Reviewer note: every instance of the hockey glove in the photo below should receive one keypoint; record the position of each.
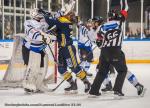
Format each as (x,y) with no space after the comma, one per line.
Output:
(45,13)
(47,38)
(124,13)
(99,43)
(99,40)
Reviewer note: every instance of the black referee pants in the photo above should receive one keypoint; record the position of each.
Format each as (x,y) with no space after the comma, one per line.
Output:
(110,56)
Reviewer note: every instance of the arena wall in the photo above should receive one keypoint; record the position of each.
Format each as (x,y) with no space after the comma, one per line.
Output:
(135,51)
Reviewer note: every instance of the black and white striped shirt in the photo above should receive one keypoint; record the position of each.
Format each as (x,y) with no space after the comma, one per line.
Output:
(112,33)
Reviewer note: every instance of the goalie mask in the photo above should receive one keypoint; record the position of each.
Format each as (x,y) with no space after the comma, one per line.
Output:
(36,15)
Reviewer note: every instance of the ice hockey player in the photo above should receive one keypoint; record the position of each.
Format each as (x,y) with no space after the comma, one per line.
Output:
(67,52)
(85,45)
(111,53)
(130,77)
(33,52)
(87,37)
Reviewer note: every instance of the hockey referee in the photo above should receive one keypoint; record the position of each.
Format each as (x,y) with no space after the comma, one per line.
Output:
(111,53)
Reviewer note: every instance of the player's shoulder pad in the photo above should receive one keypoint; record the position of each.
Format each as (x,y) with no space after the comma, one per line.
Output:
(28,22)
(110,25)
(63,20)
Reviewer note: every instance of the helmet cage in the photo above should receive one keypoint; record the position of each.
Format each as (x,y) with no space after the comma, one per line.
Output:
(35,14)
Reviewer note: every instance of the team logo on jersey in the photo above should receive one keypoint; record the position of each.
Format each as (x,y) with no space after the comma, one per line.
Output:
(112,34)
(69,62)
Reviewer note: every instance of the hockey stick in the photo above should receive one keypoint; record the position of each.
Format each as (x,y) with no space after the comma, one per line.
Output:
(55,60)
(52,90)
(52,33)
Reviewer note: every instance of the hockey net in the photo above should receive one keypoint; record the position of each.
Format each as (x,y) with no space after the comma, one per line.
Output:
(15,72)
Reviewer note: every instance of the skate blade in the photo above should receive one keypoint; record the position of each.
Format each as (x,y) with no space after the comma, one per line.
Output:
(116,97)
(143,93)
(107,92)
(29,93)
(92,96)
(71,92)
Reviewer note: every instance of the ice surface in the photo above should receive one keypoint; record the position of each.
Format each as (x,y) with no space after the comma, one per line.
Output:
(81,100)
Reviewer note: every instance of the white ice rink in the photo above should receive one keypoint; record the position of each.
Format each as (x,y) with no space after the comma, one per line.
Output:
(81,100)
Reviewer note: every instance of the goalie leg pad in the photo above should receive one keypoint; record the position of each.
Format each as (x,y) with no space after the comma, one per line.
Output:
(33,69)
(41,75)
(39,82)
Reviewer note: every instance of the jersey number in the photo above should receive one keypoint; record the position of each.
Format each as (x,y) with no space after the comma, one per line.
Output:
(112,34)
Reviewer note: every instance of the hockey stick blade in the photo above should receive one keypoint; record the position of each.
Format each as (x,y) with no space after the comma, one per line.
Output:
(52,90)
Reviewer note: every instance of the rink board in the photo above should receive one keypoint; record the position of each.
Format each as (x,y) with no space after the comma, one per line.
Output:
(135,51)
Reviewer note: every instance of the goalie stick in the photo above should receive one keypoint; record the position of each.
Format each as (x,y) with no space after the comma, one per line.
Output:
(55,60)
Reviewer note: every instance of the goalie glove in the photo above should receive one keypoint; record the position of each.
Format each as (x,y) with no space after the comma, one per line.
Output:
(45,13)
(47,38)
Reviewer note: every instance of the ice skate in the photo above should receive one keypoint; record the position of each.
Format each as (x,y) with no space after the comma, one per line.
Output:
(29,88)
(28,91)
(140,89)
(93,94)
(72,89)
(118,93)
(87,86)
(107,88)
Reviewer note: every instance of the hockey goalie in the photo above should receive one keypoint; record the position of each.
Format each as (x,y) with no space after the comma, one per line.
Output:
(34,50)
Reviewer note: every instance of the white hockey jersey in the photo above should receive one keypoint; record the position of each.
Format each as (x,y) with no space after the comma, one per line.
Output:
(33,39)
(87,37)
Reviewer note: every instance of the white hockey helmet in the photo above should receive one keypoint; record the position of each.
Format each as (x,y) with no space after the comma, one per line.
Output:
(35,14)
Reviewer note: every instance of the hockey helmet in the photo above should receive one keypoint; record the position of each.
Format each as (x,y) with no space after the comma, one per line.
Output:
(89,22)
(35,14)
(98,19)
